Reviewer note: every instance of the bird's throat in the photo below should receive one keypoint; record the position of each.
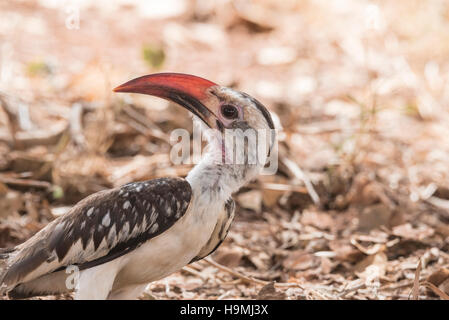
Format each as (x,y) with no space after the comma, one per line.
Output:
(214,177)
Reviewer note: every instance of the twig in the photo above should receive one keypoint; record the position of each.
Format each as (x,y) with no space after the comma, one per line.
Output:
(318,294)
(397,286)
(142,124)
(406,297)
(235,273)
(438,202)
(415,289)
(224,295)
(194,272)
(299,174)
(26,183)
(249,279)
(436,290)
(278,187)
(143,130)
(136,115)
(376,248)
(351,289)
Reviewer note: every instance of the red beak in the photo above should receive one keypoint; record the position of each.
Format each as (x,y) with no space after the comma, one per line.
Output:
(189,91)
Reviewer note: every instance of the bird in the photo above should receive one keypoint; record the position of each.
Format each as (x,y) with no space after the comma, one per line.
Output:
(119,240)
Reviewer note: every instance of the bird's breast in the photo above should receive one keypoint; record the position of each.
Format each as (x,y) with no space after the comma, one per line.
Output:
(174,248)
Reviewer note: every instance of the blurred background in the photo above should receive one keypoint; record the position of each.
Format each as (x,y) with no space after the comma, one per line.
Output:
(359,88)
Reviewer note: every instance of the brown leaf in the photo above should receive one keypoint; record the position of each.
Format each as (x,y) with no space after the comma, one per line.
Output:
(371,266)
(228,257)
(271,197)
(320,220)
(442,229)
(345,251)
(444,286)
(442,192)
(299,260)
(269,292)
(439,276)
(326,265)
(436,290)
(10,203)
(374,216)
(260,260)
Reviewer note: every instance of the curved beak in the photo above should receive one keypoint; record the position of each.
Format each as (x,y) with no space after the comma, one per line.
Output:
(189,91)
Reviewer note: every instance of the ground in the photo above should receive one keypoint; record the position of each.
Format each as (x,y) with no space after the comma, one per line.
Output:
(359,206)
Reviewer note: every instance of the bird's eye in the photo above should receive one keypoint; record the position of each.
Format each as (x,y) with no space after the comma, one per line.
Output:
(229,112)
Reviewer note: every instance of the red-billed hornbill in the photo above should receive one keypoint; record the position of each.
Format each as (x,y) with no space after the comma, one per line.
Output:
(122,239)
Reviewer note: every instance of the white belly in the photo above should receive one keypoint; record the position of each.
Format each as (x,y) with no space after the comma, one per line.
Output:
(171,250)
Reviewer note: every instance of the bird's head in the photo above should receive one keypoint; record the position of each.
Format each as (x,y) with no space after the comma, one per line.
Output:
(220,108)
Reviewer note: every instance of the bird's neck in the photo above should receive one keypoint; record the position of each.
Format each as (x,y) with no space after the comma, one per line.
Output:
(217,180)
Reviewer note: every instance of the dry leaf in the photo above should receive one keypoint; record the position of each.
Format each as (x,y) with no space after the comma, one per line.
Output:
(269,292)
(320,220)
(345,251)
(228,257)
(271,197)
(444,286)
(374,216)
(299,260)
(373,266)
(10,203)
(439,276)
(408,232)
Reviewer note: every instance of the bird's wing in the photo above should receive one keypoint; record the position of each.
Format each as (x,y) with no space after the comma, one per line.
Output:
(101,228)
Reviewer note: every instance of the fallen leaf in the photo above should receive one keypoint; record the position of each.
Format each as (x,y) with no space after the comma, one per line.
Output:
(228,257)
(408,232)
(374,216)
(269,292)
(437,290)
(299,260)
(10,203)
(260,260)
(439,276)
(371,267)
(345,251)
(444,286)
(271,197)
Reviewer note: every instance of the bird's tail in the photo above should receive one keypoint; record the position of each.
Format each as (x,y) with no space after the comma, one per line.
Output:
(4,255)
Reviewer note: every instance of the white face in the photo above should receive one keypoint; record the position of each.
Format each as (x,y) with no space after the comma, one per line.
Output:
(247,130)
(233,106)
